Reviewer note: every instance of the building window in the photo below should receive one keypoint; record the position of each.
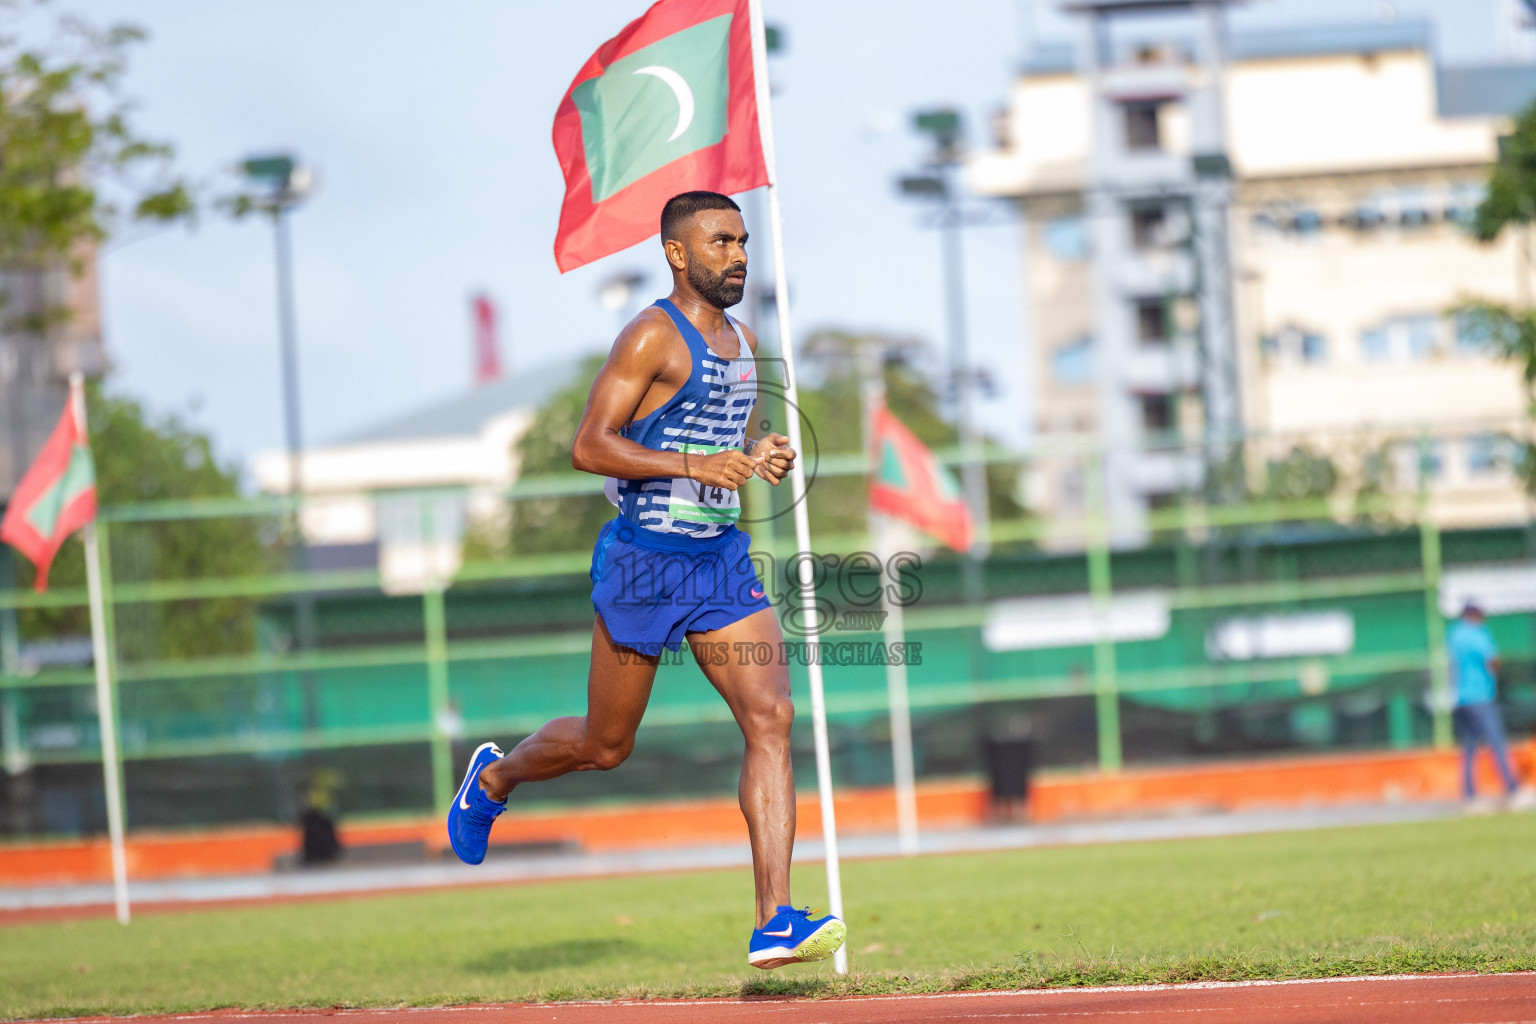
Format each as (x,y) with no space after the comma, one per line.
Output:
(1419,462)
(1073,363)
(1422,333)
(1293,345)
(1413,209)
(1141,127)
(1473,337)
(1375,346)
(1402,339)
(1147,227)
(1066,238)
(1366,216)
(1156,412)
(1151,321)
(1484,453)
(1288,218)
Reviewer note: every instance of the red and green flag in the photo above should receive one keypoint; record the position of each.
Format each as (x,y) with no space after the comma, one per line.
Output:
(668,105)
(55,498)
(910,484)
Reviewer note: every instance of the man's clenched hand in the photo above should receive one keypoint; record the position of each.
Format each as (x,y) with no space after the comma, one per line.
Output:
(773,457)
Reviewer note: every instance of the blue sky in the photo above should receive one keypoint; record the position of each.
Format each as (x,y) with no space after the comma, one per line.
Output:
(429,129)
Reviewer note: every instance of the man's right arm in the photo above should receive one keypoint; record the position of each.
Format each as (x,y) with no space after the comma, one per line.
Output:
(639,357)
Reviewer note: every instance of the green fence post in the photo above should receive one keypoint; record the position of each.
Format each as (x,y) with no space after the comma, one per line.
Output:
(434,619)
(1434,627)
(1400,722)
(1100,589)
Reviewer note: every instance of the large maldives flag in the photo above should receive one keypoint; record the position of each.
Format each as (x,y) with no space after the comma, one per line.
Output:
(55,498)
(668,105)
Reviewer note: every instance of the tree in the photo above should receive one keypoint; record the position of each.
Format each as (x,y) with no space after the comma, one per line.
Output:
(1300,474)
(72,171)
(1507,331)
(142,459)
(72,168)
(1511,195)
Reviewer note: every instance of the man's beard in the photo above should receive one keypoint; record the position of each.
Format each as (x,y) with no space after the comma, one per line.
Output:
(715,288)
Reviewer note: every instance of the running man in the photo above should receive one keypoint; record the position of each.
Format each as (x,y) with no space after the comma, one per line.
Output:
(666,422)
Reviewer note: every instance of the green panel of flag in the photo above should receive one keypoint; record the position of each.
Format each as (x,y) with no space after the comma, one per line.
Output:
(79,477)
(628,115)
(891,472)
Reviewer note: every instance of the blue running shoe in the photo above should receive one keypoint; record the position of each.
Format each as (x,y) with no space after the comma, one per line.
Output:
(794,937)
(470,817)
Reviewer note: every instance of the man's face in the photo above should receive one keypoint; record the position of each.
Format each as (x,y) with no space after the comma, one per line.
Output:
(716,247)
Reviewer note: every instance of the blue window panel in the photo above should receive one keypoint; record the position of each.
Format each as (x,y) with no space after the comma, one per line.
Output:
(1067,238)
(1375,345)
(1307,222)
(1422,335)
(1473,338)
(1073,364)
(1482,454)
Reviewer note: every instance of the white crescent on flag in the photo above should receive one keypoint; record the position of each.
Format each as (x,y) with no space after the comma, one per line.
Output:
(679,88)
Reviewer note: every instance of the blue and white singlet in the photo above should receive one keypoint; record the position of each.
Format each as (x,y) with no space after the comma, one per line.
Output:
(707,415)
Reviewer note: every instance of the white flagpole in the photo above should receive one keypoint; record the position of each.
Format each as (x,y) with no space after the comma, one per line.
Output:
(797,481)
(105,705)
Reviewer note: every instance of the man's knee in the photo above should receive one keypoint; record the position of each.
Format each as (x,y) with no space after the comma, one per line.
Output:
(774,718)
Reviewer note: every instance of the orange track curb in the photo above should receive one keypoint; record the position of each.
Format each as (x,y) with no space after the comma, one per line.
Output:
(1273,783)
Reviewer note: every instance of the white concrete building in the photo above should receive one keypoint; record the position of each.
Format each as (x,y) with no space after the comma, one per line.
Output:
(403,492)
(1355,161)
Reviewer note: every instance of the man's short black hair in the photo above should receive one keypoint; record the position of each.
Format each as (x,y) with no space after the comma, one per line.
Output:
(679,208)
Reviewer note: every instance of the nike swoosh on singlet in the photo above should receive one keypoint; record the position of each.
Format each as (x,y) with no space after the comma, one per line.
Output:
(746,373)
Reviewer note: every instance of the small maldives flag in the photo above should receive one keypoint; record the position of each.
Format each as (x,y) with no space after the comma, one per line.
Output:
(668,105)
(909,484)
(55,498)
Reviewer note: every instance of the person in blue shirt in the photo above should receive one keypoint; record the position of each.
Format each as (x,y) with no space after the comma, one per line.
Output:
(1474,661)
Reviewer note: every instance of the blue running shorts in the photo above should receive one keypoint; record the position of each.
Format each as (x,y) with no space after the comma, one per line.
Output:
(652,588)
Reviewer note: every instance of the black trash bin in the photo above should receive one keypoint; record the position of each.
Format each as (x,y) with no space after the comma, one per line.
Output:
(1010,755)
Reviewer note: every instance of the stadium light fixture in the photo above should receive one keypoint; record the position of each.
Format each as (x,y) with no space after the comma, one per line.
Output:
(286,181)
(923,185)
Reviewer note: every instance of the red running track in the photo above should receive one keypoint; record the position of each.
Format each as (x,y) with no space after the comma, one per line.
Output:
(1434,999)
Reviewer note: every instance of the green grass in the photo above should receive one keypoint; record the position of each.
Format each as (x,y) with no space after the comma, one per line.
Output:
(1456,895)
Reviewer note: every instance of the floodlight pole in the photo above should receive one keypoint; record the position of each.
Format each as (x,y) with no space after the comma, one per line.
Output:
(945,128)
(293,427)
(289,182)
(797,485)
